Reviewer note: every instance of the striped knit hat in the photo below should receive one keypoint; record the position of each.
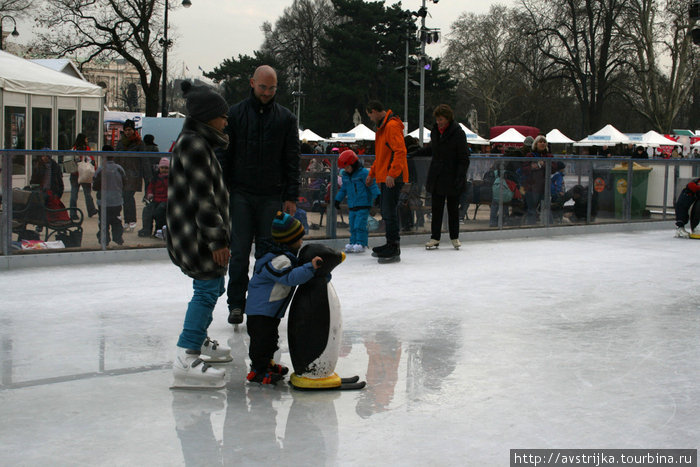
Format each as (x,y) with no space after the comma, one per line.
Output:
(286,229)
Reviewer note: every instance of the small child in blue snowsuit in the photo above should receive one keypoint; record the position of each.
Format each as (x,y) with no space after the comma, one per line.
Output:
(360,199)
(270,291)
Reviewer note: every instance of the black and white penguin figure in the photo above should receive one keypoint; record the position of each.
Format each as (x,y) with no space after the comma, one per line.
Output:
(315,327)
(695,220)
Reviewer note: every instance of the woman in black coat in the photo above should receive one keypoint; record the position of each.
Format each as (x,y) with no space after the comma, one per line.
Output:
(447,173)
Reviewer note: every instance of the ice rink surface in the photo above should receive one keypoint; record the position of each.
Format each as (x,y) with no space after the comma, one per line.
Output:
(588,341)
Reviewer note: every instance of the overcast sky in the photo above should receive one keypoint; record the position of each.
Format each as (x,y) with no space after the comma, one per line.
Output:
(212,30)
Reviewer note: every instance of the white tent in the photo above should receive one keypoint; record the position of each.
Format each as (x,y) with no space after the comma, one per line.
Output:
(309,135)
(426,134)
(41,107)
(25,77)
(359,133)
(696,145)
(654,139)
(472,136)
(511,135)
(606,136)
(557,137)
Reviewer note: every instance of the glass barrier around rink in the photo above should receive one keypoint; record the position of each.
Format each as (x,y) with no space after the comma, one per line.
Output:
(57,204)
(585,191)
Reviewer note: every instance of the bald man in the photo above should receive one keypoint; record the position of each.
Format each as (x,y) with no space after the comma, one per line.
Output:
(261,168)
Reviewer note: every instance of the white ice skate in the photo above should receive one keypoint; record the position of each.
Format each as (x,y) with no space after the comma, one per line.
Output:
(349,248)
(191,372)
(432,244)
(456,243)
(213,352)
(358,248)
(682,233)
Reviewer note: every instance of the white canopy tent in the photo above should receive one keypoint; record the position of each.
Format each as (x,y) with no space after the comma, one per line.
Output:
(511,135)
(359,133)
(309,135)
(606,136)
(41,107)
(696,145)
(654,139)
(472,136)
(557,137)
(426,134)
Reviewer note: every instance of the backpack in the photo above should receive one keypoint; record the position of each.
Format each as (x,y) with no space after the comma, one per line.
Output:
(503,188)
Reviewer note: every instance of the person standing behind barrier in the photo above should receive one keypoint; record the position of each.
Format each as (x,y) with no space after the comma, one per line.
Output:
(261,170)
(447,174)
(133,167)
(533,176)
(390,169)
(110,186)
(81,144)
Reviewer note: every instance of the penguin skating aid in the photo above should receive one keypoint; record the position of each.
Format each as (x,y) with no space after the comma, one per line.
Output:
(315,327)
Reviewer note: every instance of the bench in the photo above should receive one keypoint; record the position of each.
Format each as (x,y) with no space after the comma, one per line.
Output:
(28,208)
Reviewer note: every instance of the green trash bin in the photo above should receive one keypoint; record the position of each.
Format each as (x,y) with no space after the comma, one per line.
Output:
(640,184)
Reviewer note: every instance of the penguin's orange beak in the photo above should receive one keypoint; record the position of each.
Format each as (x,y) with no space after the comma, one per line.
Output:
(343,256)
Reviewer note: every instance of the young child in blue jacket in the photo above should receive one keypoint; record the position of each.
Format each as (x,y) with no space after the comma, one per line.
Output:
(275,276)
(360,199)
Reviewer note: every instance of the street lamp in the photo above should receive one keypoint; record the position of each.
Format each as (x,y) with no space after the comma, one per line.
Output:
(166,44)
(14,33)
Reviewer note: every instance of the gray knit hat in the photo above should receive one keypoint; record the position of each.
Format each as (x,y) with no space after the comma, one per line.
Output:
(203,103)
(528,142)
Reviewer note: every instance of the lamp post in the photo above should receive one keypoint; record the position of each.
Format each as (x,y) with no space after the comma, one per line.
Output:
(14,33)
(298,94)
(425,35)
(165,43)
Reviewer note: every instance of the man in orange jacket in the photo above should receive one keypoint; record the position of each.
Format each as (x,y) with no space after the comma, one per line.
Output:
(390,170)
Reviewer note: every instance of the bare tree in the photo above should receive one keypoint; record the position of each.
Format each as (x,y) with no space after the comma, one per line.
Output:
(17,8)
(479,56)
(296,35)
(105,29)
(582,44)
(663,65)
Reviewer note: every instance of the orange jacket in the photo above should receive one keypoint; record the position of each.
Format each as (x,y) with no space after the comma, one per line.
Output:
(389,150)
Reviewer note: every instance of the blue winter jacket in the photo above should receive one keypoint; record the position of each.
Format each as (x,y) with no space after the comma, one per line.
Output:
(360,196)
(272,285)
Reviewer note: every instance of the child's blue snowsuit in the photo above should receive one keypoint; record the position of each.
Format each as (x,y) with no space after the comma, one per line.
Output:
(360,199)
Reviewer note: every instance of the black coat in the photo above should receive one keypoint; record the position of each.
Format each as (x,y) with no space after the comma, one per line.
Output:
(263,153)
(450,161)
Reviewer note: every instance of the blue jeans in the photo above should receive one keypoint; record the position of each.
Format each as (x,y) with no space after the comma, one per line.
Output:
(87,191)
(251,219)
(390,210)
(359,235)
(199,312)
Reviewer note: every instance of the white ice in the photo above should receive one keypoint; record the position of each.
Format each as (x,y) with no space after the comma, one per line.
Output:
(585,341)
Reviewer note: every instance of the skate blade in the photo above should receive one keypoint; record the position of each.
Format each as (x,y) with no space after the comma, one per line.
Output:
(393,259)
(431,247)
(210,359)
(185,387)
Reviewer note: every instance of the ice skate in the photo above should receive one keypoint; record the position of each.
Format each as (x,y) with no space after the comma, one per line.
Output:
(682,233)
(191,372)
(390,255)
(349,248)
(456,243)
(358,248)
(235,316)
(432,244)
(264,378)
(378,249)
(213,352)
(277,368)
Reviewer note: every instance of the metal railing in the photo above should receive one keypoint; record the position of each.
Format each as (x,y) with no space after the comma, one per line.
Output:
(607,191)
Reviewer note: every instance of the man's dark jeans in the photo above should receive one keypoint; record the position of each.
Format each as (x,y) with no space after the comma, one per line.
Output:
(390,210)
(251,219)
